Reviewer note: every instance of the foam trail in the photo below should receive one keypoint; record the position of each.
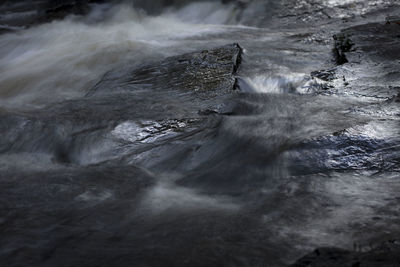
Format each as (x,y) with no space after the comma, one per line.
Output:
(166,197)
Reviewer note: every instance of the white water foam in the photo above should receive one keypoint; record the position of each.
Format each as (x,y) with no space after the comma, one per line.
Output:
(290,83)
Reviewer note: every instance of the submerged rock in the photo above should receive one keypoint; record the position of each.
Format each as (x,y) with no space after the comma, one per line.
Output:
(209,70)
(376,42)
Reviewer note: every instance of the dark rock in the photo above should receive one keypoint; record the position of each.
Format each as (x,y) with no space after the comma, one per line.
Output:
(325,75)
(210,71)
(343,44)
(322,79)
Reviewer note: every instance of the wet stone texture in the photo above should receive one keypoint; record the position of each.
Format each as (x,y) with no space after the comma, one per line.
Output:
(369,56)
(208,72)
(373,53)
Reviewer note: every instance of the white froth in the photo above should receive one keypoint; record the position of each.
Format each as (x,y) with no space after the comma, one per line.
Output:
(283,84)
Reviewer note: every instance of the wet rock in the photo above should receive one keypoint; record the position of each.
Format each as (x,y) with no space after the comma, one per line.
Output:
(343,44)
(372,53)
(325,75)
(212,71)
(322,80)
(363,147)
(376,42)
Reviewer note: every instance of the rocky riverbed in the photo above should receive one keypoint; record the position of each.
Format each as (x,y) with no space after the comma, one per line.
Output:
(192,133)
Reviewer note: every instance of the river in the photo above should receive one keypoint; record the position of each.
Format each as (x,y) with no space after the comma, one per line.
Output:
(154,175)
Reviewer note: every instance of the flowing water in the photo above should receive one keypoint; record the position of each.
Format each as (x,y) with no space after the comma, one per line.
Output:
(103,182)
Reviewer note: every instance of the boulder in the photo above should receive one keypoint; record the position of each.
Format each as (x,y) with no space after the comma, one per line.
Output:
(212,71)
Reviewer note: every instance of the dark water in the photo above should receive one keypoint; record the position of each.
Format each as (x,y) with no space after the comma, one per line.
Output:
(143,179)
